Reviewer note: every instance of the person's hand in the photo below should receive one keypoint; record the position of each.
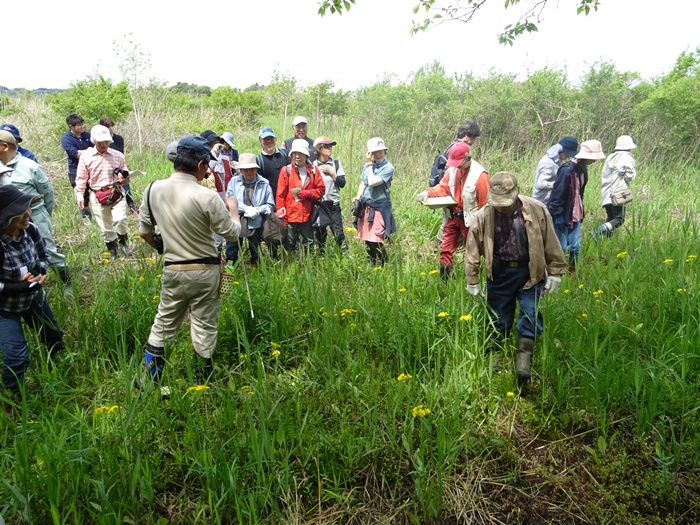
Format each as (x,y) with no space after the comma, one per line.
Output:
(251,212)
(24,286)
(422,196)
(282,212)
(552,284)
(369,157)
(217,148)
(328,170)
(304,194)
(475,290)
(81,201)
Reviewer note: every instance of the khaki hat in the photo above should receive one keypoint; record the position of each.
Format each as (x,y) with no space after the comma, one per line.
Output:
(376,144)
(503,189)
(591,150)
(6,136)
(300,146)
(625,143)
(247,160)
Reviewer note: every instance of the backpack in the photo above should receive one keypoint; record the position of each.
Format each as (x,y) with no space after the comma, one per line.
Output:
(34,235)
(437,171)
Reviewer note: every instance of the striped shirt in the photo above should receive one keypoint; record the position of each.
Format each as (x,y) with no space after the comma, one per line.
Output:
(29,250)
(97,169)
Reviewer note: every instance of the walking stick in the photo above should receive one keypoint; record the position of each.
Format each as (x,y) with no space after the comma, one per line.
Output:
(245,278)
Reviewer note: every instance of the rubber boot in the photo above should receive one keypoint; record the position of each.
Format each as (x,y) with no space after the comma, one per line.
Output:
(64,274)
(445,272)
(603,229)
(112,249)
(128,252)
(154,363)
(204,370)
(523,360)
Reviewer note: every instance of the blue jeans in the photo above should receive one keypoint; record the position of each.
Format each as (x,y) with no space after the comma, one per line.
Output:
(15,353)
(501,294)
(569,238)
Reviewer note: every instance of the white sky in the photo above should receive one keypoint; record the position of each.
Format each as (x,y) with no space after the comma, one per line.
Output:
(245,41)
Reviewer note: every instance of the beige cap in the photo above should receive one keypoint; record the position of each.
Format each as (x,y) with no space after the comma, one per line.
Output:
(503,189)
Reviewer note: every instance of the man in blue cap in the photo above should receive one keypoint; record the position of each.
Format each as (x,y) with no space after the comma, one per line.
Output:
(18,138)
(187,215)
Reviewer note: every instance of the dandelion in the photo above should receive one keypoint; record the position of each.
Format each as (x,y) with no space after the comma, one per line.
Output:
(142,278)
(105,261)
(622,255)
(107,409)
(105,253)
(335,315)
(350,229)
(443,314)
(156,298)
(245,387)
(584,315)
(275,353)
(347,311)
(251,392)
(242,357)
(580,286)
(403,377)
(510,394)
(467,317)
(566,291)
(236,283)
(159,276)
(422,274)
(420,411)
(179,380)
(668,261)
(434,272)
(150,260)
(681,290)
(691,258)
(377,268)
(325,314)
(402,290)
(197,388)
(597,293)
(276,345)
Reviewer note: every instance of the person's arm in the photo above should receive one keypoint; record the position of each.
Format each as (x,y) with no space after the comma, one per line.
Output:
(442,189)
(69,147)
(544,178)
(381,176)
(268,205)
(630,171)
(43,186)
(472,254)
(282,189)
(482,189)
(553,254)
(81,182)
(556,200)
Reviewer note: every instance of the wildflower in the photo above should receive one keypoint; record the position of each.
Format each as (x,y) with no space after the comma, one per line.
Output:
(403,377)
(251,392)
(350,229)
(277,345)
(347,311)
(362,402)
(668,261)
(156,298)
(353,325)
(159,276)
(566,291)
(434,272)
(443,314)
(242,357)
(275,353)
(597,293)
(322,309)
(691,258)
(422,274)
(197,388)
(402,290)
(510,394)
(105,253)
(681,290)
(467,317)
(335,315)
(420,411)
(377,268)
(150,259)
(245,387)
(325,314)
(622,255)
(142,278)
(580,286)
(107,409)
(236,283)
(584,315)
(105,261)
(179,380)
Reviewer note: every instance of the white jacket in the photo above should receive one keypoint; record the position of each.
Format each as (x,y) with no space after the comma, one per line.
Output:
(618,172)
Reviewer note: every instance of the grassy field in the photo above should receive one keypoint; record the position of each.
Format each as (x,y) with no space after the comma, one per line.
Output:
(363,395)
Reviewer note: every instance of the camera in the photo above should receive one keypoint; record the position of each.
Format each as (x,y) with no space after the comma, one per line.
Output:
(123,173)
(158,241)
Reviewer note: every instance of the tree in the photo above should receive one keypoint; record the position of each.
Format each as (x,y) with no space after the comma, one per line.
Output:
(439,11)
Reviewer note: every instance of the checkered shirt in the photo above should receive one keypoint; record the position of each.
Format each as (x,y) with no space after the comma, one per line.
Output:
(17,253)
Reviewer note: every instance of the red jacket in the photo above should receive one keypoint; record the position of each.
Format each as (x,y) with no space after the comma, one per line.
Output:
(288,180)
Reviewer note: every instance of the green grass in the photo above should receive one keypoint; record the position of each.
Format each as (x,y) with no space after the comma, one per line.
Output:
(324,432)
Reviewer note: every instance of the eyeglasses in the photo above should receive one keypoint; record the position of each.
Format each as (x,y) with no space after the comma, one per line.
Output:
(329,146)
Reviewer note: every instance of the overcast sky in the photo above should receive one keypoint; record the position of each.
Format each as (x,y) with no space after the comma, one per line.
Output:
(244,42)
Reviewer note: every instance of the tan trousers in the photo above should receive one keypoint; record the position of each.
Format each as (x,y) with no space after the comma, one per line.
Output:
(197,290)
(111,219)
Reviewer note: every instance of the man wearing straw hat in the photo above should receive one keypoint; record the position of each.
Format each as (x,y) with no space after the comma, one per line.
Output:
(516,238)
(187,215)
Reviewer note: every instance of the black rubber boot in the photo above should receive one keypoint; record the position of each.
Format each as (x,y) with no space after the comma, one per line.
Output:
(128,252)
(523,360)
(112,249)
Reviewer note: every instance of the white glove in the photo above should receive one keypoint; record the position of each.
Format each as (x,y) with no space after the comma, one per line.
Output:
(552,284)
(475,290)
(251,212)
(422,196)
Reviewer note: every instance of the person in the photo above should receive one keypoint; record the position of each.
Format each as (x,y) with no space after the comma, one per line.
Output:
(23,266)
(118,145)
(187,215)
(255,202)
(468,183)
(300,185)
(566,202)
(301,128)
(103,170)
(75,142)
(548,166)
(618,171)
(229,151)
(30,178)
(377,223)
(216,166)
(18,138)
(271,160)
(515,236)
(334,179)
(467,133)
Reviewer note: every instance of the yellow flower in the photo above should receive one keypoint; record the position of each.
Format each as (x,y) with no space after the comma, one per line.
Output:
(359,267)
(691,258)
(668,261)
(350,229)
(197,388)
(402,377)
(107,409)
(443,314)
(402,290)
(510,394)
(242,356)
(156,298)
(422,274)
(322,309)
(622,255)
(150,259)
(420,411)
(105,261)
(275,353)
(434,272)
(236,283)
(347,311)
(325,314)
(245,387)
(159,276)
(467,317)
(580,286)
(378,268)
(566,291)
(276,345)
(597,293)
(681,290)
(251,392)
(105,253)
(179,380)
(142,278)
(585,316)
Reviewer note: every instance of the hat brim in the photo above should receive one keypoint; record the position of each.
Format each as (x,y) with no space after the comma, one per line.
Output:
(267,134)
(326,143)
(502,201)
(377,149)
(455,163)
(248,165)
(229,142)
(97,139)
(17,208)
(293,150)
(569,152)
(590,156)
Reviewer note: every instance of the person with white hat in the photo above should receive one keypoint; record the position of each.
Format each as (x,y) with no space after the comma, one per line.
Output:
(618,171)
(375,223)
(515,236)
(299,185)
(103,170)
(255,202)
(566,201)
(301,128)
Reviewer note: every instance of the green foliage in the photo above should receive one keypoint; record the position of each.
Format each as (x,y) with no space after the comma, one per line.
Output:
(247,105)
(92,98)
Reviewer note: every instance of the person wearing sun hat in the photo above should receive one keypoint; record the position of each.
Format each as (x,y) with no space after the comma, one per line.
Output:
(23,267)
(549,164)
(377,223)
(566,202)
(330,214)
(618,171)
(515,236)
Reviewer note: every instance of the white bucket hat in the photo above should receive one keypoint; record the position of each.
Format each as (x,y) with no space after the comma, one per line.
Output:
(247,160)
(100,134)
(591,150)
(375,144)
(300,146)
(625,143)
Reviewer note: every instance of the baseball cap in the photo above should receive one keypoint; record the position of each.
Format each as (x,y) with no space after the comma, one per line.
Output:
(569,145)
(100,134)
(171,151)
(194,145)
(299,120)
(503,189)
(6,136)
(458,152)
(13,130)
(324,140)
(266,132)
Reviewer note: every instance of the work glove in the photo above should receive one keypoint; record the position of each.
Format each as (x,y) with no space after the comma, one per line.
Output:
(422,196)
(251,212)
(475,290)
(18,287)
(552,284)
(304,194)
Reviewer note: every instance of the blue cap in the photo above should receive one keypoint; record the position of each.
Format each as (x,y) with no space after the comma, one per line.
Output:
(266,132)
(193,145)
(569,146)
(12,130)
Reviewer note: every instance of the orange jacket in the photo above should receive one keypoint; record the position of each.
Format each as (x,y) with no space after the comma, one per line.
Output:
(443,189)
(288,180)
